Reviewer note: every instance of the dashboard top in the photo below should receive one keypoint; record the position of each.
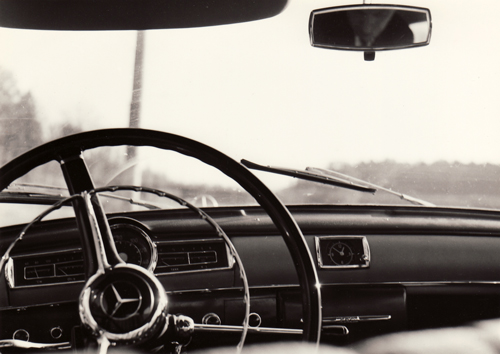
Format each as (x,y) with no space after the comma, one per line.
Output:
(350,244)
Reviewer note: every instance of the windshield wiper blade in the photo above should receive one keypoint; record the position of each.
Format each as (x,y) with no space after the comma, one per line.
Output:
(408,198)
(29,198)
(22,197)
(22,186)
(311,176)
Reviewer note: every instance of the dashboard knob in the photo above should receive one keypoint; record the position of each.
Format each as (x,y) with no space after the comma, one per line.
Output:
(56,332)
(21,334)
(184,326)
(254,320)
(211,318)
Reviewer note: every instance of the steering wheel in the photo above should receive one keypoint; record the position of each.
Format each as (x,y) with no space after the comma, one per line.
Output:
(132,287)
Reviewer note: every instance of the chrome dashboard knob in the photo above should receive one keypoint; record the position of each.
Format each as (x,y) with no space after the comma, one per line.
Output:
(21,334)
(56,332)
(254,320)
(211,318)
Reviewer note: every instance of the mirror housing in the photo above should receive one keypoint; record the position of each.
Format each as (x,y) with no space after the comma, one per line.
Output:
(370,28)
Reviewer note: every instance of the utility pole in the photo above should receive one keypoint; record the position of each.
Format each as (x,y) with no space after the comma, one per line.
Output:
(135,105)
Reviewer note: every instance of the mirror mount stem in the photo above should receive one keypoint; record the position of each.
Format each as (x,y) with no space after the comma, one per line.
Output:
(369,56)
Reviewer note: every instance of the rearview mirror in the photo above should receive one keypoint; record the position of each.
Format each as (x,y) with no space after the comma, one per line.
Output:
(370,27)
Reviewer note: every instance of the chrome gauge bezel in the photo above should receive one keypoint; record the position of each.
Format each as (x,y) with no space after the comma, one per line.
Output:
(125,223)
(365,258)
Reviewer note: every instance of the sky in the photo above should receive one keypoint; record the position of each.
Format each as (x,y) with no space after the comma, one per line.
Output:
(259,90)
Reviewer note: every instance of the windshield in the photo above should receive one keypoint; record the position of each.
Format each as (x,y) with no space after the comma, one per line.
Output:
(421,121)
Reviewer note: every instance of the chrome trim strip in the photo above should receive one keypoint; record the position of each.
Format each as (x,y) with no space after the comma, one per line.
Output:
(16,343)
(192,271)
(47,253)
(48,304)
(272,330)
(50,284)
(440,283)
(424,283)
(366,251)
(231,328)
(215,239)
(355,319)
(344,329)
(284,286)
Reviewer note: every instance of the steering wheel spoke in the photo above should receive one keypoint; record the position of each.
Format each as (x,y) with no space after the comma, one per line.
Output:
(104,250)
(76,173)
(92,222)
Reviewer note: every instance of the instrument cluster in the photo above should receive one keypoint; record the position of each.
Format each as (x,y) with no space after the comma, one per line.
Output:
(133,244)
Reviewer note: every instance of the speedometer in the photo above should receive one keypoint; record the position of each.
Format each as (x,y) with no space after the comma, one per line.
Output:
(134,245)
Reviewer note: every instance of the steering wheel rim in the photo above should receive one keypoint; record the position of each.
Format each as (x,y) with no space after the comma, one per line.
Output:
(68,149)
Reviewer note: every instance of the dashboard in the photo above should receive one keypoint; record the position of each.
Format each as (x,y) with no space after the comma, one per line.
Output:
(382,270)
(134,246)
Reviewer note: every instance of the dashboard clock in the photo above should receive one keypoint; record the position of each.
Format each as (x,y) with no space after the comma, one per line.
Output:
(340,253)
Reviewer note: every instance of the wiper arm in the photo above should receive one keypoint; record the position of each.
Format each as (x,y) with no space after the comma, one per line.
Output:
(408,198)
(130,201)
(311,176)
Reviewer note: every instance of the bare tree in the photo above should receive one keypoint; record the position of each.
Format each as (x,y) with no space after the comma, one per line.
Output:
(19,128)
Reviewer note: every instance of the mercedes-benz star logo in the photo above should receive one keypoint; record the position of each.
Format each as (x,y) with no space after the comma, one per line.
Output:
(121,300)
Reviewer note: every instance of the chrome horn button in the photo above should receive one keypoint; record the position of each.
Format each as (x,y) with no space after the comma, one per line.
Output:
(121,300)
(126,304)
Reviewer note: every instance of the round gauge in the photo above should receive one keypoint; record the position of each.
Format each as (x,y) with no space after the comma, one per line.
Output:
(134,245)
(129,252)
(340,253)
